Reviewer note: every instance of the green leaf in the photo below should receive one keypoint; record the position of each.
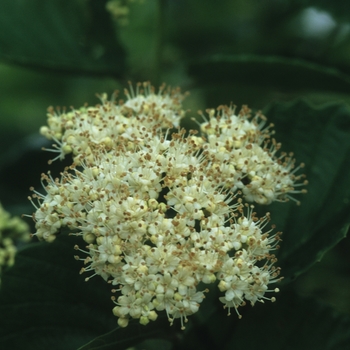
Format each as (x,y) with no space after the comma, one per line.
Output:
(291,323)
(284,74)
(319,137)
(122,338)
(45,303)
(151,344)
(63,35)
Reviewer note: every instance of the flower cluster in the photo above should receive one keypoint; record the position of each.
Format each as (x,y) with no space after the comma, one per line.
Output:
(164,213)
(12,231)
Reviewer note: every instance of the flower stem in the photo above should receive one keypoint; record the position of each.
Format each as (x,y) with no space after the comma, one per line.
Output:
(160,30)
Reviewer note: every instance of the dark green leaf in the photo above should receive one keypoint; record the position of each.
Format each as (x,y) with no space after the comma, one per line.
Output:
(122,338)
(151,344)
(62,35)
(45,303)
(319,137)
(291,323)
(284,74)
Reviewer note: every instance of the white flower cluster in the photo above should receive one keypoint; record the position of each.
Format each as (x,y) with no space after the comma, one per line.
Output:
(160,211)
(84,131)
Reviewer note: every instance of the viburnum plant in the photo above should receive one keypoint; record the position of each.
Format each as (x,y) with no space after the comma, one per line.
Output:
(163,212)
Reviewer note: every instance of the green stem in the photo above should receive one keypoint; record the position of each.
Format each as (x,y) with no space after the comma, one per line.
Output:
(160,30)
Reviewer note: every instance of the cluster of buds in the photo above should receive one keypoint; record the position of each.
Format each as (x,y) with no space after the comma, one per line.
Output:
(13,231)
(163,211)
